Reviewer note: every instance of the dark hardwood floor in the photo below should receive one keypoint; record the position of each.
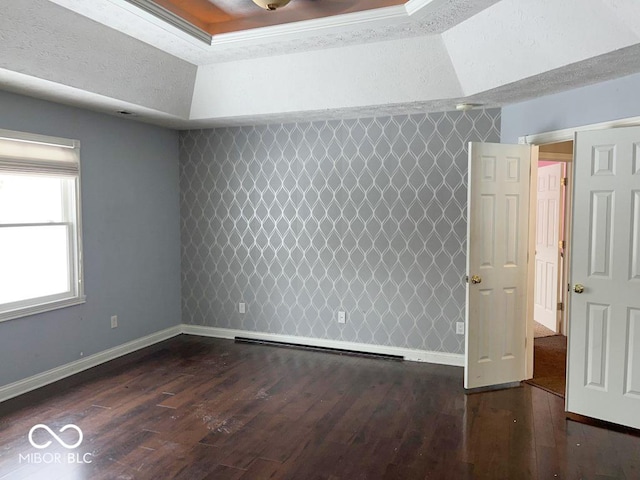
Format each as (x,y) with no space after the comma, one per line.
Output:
(197,408)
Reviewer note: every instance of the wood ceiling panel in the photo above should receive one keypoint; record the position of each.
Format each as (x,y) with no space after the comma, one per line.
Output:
(223,16)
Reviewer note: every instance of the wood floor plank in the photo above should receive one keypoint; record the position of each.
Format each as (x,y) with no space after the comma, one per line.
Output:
(199,408)
(262,469)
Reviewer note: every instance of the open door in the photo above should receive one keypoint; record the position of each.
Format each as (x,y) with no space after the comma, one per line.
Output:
(498,239)
(603,378)
(549,199)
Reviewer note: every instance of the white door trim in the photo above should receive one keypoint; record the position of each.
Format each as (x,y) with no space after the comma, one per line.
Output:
(555,136)
(566,134)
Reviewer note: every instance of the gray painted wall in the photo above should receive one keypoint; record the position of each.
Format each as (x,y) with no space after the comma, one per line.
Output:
(130,202)
(611,100)
(302,220)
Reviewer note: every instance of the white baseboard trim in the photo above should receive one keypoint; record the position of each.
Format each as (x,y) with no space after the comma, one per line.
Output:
(453,359)
(40,380)
(45,378)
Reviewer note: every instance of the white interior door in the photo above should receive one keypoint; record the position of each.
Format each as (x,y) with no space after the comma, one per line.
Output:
(497,254)
(548,201)
(603,378)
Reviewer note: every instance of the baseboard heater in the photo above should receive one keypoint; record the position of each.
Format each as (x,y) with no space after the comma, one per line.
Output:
(339,351)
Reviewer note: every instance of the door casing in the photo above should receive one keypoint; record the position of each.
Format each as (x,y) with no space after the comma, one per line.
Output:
(556,136)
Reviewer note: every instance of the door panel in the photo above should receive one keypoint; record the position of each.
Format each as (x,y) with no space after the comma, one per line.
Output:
(487,235)
(632,382)
(597,327)
(634,254)
(497,253)
(604,338)
(600,233)
(547,265)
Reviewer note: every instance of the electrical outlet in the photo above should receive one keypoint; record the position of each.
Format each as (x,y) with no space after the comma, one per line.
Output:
(114,321)
(459,328)
(241,307)
(342,317)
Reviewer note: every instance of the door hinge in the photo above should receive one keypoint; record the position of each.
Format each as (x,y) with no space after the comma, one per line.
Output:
(562,244)
(564,181)
(560,306)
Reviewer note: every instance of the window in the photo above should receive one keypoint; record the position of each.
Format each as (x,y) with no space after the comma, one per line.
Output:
(40,237)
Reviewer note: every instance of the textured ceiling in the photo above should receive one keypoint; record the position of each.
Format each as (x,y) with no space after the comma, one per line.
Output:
(424,55)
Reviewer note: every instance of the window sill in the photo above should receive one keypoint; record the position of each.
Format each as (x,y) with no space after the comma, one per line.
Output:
(42,308)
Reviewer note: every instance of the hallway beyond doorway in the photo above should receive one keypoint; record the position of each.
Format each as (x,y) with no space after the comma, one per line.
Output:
(550,364)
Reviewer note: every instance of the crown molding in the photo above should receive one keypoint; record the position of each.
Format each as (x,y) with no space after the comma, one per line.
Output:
(360,19)
(143,20)
(363,19)
(172,19)
(414,6)
(318,26)
(149,12)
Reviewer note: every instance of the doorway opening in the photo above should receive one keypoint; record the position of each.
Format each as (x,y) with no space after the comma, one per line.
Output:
(551,269)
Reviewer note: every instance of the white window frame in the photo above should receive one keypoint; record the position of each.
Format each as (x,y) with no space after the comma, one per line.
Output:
(31,154)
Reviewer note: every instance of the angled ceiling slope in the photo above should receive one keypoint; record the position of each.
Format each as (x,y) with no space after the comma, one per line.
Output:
(422,55)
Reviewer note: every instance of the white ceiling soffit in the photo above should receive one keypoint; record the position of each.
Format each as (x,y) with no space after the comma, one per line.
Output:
(352,77)
(514,39)
(47,42)
(19,83)
(428,55)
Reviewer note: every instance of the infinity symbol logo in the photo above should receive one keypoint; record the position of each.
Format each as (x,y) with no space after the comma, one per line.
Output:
(58,439)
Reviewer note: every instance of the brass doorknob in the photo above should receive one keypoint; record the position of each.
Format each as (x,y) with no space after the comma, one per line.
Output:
(475,279)
(578,288)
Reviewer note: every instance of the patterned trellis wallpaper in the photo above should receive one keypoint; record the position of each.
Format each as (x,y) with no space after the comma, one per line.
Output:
(302,220)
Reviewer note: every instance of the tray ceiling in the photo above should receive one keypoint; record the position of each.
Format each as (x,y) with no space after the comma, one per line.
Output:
(224,16)
(422,55)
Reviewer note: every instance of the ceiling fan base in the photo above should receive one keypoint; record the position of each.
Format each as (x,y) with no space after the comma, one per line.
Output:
(271,5)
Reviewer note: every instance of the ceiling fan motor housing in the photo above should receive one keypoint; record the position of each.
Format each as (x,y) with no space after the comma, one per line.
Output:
(271,4)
